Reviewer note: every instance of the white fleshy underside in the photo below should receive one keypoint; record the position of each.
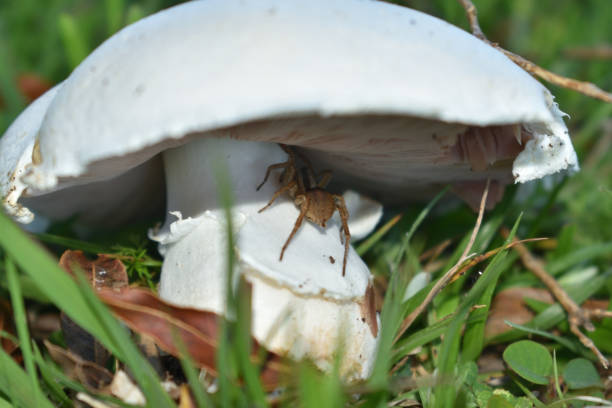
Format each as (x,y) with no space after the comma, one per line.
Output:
(550,150)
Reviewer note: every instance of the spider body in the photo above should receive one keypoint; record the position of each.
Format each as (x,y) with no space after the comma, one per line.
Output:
(320,205)
(315,203)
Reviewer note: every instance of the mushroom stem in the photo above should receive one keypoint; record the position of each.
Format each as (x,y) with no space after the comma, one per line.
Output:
(302,306)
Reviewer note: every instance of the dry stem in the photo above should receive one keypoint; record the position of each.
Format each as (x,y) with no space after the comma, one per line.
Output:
(602,52)
(585,88)
(448,276)
(577,316)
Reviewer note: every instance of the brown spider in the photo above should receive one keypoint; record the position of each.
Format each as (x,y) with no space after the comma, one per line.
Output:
(316,204)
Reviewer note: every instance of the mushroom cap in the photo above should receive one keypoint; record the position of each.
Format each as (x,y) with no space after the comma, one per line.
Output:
(207,65)
(16,147)
(115,200)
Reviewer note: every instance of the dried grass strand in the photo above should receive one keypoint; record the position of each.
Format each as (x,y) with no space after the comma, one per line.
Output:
(448,276)
(583,87)
(577,316)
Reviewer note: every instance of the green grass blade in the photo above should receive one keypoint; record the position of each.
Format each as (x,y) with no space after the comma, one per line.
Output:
(244,345)
(114,15)
(377,236)
(318,390)
(226,363)
(191,374)
(81,304)
(72,243)
(449,351)
(588,253)
(201,397)
(474,334)
(51,280)
(134,13)
(73,39)
(426,335)
(21,323)
(570,345)
(15,383)
(142,371)
(417,222)
(50,379)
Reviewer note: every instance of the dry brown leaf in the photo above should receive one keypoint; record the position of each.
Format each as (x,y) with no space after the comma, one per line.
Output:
(43,323)
(103,272)
(32,86)
(94,377)
(509,304)
(148,315)
(151,317)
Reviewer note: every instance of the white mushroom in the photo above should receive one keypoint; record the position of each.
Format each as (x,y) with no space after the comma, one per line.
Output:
(394,101)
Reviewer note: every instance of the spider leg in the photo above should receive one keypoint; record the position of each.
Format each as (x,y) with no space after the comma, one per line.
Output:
(312,183)
(344,215)
(280,191)
(301,189)
(273,167)
(325,179)
(296,227)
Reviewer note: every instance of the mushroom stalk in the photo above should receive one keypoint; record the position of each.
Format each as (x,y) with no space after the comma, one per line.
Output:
(302,306)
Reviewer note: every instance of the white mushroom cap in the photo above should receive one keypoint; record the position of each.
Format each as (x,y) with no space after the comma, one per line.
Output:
(217,63)
(16,146)
(138,191)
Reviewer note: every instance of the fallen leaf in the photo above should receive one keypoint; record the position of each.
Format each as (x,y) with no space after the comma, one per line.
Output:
(148,315)
(32,86)
(509,305)
(43,323)
(152,318)
(103,272)
(94,377)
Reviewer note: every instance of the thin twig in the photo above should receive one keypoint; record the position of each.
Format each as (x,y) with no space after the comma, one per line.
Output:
(432,253)
(600,52)
(585,88)
(577,316)
(448,276)
(470,263)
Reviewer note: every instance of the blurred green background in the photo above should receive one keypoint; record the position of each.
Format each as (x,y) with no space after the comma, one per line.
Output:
(42,41)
